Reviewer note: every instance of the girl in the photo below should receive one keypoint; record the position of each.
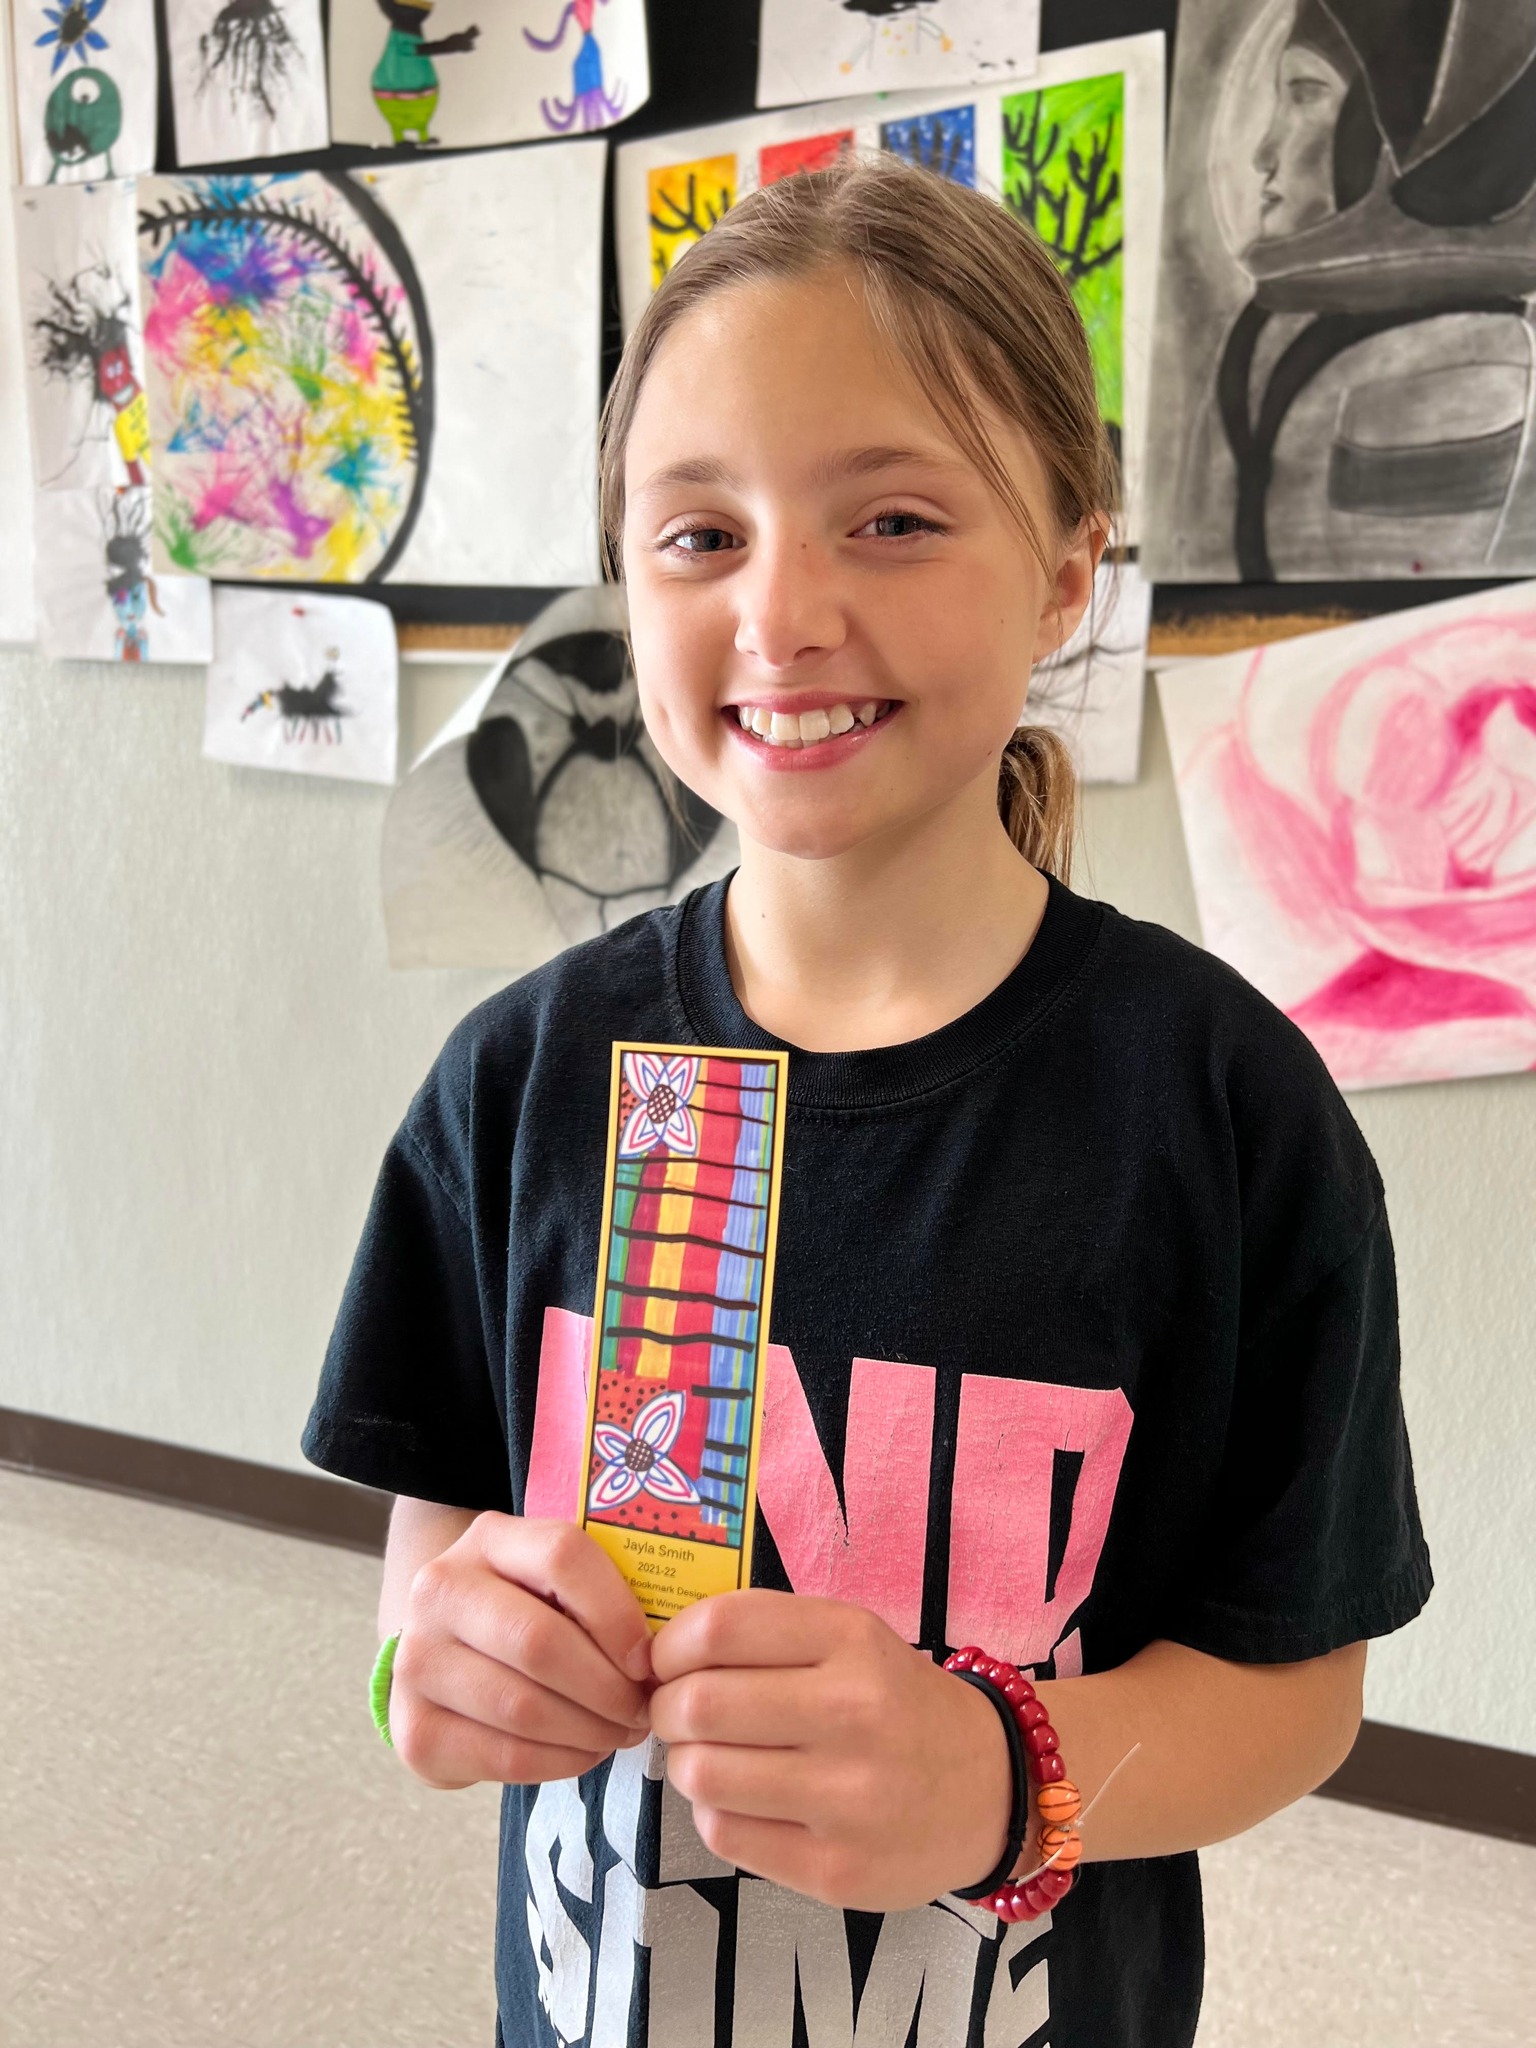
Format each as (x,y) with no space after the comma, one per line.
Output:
(1085,1320)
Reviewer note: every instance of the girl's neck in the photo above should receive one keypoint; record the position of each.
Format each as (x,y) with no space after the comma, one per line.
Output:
(882,944)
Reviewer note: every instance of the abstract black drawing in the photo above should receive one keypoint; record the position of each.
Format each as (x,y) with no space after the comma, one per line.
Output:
(311,711)
(82,336)
(1346,356)
(250,50)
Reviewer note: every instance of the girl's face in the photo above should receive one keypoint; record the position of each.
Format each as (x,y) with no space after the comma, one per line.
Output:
(833,615)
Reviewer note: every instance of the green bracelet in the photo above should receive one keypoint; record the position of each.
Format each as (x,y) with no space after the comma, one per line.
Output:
(378,1687)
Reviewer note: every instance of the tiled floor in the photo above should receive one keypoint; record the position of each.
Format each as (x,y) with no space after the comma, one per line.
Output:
(202,1845)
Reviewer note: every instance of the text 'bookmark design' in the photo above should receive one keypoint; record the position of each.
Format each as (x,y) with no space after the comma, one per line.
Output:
(680,1330)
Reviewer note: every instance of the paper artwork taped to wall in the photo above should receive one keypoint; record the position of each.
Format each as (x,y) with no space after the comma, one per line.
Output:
(97,593)
(86,95)
(539,816)
(417,73)
(18,619)
(1077,153)
(1092,692)
(1360,811)
(821,49)
(304,683)
(247,78)
(84,348)
(695,1158)
(382,374)
(1345,350)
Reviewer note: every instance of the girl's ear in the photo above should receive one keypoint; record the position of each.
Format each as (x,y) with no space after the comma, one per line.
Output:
(1072,589)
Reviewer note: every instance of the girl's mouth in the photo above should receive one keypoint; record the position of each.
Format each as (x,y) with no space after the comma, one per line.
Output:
(807,731)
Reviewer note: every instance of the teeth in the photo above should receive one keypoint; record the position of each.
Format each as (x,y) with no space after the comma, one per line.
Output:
(809,728)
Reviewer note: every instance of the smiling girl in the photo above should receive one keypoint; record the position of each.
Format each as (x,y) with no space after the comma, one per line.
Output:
(1085,1341)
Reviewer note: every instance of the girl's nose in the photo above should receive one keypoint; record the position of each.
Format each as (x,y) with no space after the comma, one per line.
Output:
(789,606)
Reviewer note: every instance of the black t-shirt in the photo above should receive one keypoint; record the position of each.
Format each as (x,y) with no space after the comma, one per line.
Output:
(1084,1334)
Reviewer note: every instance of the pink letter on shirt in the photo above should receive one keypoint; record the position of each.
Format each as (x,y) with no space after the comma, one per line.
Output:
(553,1491)
(874,1555)
(1000,1512)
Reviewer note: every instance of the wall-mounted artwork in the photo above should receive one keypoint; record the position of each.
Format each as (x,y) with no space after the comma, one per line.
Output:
(415,73)
(1345,355)
(82,341)
(820,49)
(540,814)
(18,619)
(1077,152)
(247,78)
(379,374)
(1092,692)
(97,593)
(1360,811)
(303,683)
(86,94)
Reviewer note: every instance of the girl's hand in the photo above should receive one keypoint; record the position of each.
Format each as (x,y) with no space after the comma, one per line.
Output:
(519,1659)
(823,1752)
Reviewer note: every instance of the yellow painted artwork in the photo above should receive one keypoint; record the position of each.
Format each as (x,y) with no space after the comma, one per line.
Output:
(684,201)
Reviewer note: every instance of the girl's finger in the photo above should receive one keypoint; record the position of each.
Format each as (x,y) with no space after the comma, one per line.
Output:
(454,1675)
(515,1628)
(561,1563)
(781,1707)
(764,1784)
(448,1751)
(755,1627)
(779,1850)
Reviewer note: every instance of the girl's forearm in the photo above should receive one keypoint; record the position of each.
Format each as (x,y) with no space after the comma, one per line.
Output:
(1222,1745)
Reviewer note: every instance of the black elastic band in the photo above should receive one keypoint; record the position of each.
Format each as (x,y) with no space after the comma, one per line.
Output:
(1018,1821)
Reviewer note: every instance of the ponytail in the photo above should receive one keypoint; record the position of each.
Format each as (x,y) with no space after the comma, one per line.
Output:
(1037,799)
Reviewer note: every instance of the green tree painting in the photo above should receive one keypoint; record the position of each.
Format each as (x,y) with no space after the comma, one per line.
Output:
(1061,172)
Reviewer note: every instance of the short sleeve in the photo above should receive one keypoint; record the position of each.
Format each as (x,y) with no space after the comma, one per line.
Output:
(407,1399)
(1313,1539)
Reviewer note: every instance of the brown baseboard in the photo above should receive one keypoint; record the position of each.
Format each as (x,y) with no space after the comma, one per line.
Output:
(291,1503)
(1397,1770)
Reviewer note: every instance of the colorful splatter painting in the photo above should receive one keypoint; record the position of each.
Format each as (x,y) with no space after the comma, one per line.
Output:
(247,78)
(86,93)
(683,203)
(1360,811)
(84,349)
(303,683)
(377,374)
(98,597)
(818,49)
(416,73)
(680,1336)
(1063,172)
(1079,153)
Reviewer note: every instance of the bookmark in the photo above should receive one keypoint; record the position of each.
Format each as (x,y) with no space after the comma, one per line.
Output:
(680,1329)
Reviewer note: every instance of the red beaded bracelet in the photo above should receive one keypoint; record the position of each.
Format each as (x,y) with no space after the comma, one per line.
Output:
(1057,1799)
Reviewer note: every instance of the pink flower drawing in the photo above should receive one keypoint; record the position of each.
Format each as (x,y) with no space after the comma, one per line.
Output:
(635,1461)
(661,1086)
(1360,809)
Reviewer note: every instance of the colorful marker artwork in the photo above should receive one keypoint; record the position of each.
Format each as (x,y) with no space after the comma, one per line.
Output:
(86,94)
(819,49)
(247,78)
(1077,152)
(98,596)
(460,73)
(680,1337)
(303,683)
(1360,811)
(377,374)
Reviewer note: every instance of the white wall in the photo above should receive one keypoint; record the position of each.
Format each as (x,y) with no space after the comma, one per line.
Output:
(202,1054)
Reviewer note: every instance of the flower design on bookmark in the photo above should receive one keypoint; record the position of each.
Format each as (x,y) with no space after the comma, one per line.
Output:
(635,1461)
(661,1115)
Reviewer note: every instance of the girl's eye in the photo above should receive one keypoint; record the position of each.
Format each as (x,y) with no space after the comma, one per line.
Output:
(901,525)
(700,540)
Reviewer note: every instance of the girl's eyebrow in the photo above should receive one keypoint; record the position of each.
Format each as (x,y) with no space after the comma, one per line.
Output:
(833,468)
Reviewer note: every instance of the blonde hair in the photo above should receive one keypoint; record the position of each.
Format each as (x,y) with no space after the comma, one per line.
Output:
(971,299)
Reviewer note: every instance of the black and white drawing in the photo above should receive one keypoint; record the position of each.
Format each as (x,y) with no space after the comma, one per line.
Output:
(247,78)
(542,814)
(303,682)
(1345,355)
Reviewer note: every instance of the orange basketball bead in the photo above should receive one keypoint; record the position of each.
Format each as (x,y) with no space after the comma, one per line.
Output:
(1059,1803)
(1066,1849)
